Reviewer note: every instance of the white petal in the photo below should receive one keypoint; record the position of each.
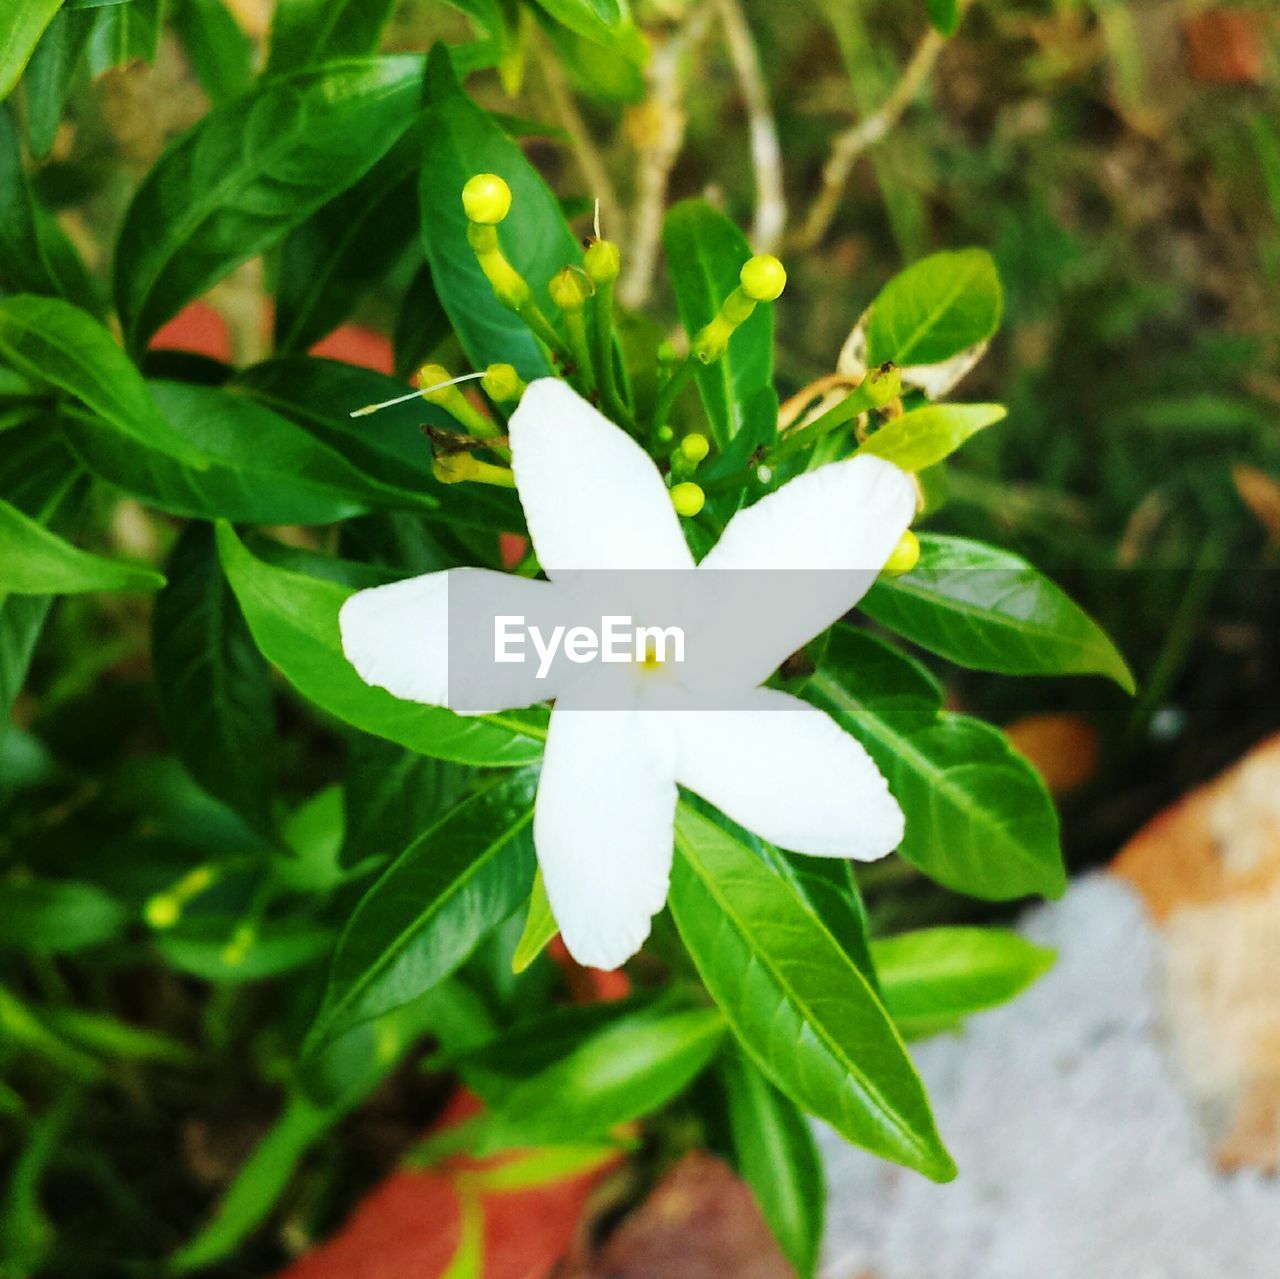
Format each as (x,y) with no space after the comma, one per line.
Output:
(398,637)
(813,548)
(603,829)
(592,497)
(788,772)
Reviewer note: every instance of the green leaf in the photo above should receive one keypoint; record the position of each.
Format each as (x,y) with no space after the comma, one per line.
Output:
(979,819)
(776,1156)
(923,437)
(944,15)
(388,446)
(53,917)
(56,345)
(391,795)
(935,977)
(34,561)
(124,33)
(935,309)
(796,1002)
(989,610)
(247,173)
(294,620)
(255,465)
(213,686)
(421,324)
(41,479)
(345,247)
(221,54)
(24,24)
(539,927)
(35,254)
(230,952)
(306,33)
(705,252)
(462,140)
(50,76)
(601,21)
(427,912)
(619,1071)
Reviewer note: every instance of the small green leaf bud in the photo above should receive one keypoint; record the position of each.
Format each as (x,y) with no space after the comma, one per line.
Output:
(163,910)
(665,434)
(502,383)
(763,277)
(602,261)
(905,556)
(884,384)
(570,289)
(688,499)
(695,447)
(486,199)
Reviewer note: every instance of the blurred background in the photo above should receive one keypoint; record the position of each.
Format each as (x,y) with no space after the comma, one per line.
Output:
(1121,161)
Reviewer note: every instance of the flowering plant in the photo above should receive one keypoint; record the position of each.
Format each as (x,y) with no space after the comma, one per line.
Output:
(315,521)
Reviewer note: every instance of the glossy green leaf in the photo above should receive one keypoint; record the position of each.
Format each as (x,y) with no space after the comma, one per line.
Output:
(256,465)
(392,795)
(24,24)
(221,54)
(51,916)
(213,685)
(944,15)
(421,324)
(387,446)
(343,249)
(705,252)
(34,561)
(774,1150)
(57,345)
(988,609)
(432,905)
(796,1002)
(50,75)
(602,21)
(35,254)
(935,977)
(294,621)
(250,171)
(628,1067)
(978,817)
(307,33)
(539,927)
(460,141)
(935,309)
(923,437)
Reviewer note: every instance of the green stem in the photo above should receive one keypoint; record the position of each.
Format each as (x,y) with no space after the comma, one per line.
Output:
(859,401)
(576,323)
(672,387)
(531,313)
(604,355)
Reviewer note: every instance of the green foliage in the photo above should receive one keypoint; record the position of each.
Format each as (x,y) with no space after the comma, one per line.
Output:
(240,887)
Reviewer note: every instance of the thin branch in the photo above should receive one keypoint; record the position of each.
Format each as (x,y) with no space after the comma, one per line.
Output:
(766,153)
(585,152)
(849,145)
(660,122)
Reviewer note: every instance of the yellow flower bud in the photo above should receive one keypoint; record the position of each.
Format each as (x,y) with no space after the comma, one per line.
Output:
(502,383)
(570,289)
(162,911)
(695,447)
(688,498)
(905,556)
(763,277)
(431,375)
(486,199)
(602,261)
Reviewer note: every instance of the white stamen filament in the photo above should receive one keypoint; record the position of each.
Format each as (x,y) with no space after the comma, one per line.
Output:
(414,395)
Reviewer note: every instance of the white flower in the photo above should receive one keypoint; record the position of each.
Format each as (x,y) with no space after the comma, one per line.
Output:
(603,822)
